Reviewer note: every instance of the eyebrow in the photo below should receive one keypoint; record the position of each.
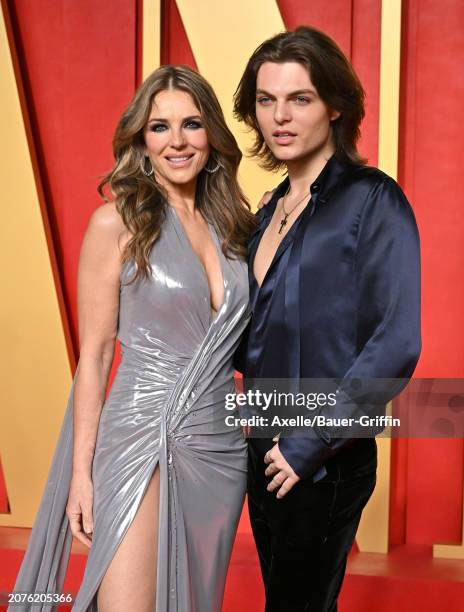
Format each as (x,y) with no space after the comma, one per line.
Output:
(292,93)
(197,117)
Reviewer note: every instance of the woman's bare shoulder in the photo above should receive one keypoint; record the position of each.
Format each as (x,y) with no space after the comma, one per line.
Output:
(106,223)
(107,218)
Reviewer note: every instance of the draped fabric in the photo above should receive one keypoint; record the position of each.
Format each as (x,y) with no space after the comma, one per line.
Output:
(165,408)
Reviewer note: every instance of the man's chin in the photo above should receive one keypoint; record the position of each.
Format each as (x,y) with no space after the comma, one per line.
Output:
(287,154)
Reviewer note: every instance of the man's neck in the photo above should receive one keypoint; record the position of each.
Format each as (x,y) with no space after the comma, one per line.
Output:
(303,172)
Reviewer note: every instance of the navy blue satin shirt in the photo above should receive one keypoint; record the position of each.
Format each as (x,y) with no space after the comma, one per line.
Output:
(341,298)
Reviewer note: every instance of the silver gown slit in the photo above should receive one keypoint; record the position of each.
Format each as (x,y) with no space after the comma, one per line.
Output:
(165,407)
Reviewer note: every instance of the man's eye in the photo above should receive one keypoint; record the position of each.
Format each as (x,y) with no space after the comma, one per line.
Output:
(158,127)
(263,100)
(302,100)
(193,125)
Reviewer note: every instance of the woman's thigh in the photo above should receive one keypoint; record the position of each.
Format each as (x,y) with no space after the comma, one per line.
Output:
(130,580)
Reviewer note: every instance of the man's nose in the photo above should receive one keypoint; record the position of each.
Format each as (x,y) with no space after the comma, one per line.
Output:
(281,112)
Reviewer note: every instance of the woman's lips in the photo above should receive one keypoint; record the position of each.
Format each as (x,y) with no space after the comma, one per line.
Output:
(178,161)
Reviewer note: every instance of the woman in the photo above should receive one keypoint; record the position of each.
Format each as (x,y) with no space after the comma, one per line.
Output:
(162,267)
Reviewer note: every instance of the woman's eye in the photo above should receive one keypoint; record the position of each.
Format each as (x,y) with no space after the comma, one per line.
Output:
(158,127)
(193,125)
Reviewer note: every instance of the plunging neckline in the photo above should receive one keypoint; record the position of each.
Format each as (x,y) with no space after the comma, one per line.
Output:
(213,314)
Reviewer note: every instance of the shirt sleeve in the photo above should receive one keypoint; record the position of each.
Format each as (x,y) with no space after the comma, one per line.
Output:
(388,325)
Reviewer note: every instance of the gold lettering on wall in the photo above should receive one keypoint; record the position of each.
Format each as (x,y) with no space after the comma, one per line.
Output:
(151,36)
(34,363)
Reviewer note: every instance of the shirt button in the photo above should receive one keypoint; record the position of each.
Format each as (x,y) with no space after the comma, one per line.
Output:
(315,187)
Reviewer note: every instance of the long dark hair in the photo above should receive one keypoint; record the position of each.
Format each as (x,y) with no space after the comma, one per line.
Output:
(142,202)
(332,75)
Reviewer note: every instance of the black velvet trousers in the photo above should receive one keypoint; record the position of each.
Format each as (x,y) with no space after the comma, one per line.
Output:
(303,539)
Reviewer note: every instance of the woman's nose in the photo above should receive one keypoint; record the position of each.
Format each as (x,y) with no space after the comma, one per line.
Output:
(177,138)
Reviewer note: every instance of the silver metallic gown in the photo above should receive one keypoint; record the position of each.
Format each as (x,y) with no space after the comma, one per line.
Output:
(166,408)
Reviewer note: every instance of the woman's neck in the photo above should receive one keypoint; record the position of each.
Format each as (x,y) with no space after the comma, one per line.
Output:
(181,196)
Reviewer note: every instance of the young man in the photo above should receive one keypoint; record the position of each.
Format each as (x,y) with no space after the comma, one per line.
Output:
(334,288)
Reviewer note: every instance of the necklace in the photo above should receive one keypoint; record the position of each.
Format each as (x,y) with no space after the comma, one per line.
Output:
(283,223)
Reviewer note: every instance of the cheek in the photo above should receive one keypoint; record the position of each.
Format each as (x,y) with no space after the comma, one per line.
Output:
(155,142)
(263,118)
(314,123)
(199,140)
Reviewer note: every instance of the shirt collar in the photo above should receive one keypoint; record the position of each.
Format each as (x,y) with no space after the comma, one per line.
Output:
(328,179)
(280,190)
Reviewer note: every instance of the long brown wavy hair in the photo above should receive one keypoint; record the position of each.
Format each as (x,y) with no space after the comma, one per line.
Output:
(333,76)
(142,202)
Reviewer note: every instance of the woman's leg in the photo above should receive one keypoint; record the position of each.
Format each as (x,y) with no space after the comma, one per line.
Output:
(130,580)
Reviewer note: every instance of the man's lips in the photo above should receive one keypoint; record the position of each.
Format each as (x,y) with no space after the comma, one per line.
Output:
(283,137)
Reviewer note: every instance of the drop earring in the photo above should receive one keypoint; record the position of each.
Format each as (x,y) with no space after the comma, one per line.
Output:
(213,170)
(142,166)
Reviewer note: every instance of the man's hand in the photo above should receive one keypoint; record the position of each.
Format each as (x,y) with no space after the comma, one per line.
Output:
(266,198)
(284,476)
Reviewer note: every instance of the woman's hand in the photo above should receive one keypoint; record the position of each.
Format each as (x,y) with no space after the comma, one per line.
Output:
(266,198)
(79,509)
